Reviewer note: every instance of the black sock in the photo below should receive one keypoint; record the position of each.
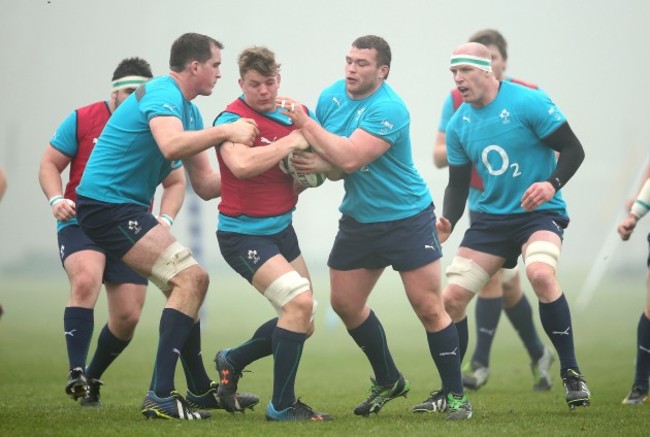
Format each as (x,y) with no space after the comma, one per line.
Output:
(521,317)
(642,353)
(556,320)
(174,329)
(78,325)
(488,312)
(287,350)
(463,337)
(445,351)
(259,346)
(198,381)
(370,337)
(108,348)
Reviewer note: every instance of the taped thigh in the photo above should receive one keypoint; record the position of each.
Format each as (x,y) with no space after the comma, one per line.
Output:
(173,260)
(542,252)
(508,274)
(285,288)
(467,274)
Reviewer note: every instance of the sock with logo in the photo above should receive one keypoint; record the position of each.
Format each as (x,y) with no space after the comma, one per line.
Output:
(370,337)
(521,317)
(556,320)
(108,348)
(78,325)
(259,346)
(445,351)
(197,378)
(488,312)
(642,353)
(287,350)
(463,337)
(174,329)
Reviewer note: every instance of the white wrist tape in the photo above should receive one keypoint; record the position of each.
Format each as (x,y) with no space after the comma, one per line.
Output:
(642,204)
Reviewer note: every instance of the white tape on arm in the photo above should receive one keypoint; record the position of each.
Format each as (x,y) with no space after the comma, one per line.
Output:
(642,204)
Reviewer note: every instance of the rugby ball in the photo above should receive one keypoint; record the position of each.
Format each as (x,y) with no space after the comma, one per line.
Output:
(306,180)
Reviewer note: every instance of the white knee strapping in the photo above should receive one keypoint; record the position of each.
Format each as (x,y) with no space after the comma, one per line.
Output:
(508,274)
(285,288)
(542,252)
(173,260)
(467,274)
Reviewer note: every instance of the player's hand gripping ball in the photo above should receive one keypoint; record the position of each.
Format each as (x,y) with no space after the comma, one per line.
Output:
(307,180)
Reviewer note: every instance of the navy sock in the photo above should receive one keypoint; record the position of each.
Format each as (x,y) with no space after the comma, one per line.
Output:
(174,329)
(78,324)
(108,348)
(463,338)
(287,350)
(521,317)
(556,320)
(444,349)
(370,337)
(197,378)
(259,346)
(488,312)
(642,353)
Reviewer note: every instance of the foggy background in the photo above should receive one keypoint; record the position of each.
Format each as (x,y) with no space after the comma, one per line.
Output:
(590,56)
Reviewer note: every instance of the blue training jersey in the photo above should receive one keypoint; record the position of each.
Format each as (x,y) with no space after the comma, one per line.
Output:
(448,112)
(390,187)
(503,141)
(126,164)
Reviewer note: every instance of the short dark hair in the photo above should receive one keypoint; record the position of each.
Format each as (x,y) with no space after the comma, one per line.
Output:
(260,59)
(379,44)
(132,67)
(191,47)
(491,37)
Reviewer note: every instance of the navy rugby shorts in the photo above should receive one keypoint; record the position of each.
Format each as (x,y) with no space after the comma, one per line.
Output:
(504,235)
(72,239)
(247,253)
(405,244)
(115,227)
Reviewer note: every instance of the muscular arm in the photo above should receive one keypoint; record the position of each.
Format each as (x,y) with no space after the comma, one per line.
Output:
(456,192)
(246,162)
(206,182)
(173,193)
(177,143)
(3,183)
(440,150)
(571,155)
(347,154)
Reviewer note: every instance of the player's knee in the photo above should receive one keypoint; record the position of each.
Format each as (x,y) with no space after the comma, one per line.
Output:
(173,260)
(84,289)
(466,274)
(125,323)
(291,288)
(543,252)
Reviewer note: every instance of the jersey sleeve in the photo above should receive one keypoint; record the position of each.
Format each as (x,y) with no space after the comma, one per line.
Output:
(226,117)
(65,137)
(447,113)
(160,102)
(385,120)
(541,114)
(455,153)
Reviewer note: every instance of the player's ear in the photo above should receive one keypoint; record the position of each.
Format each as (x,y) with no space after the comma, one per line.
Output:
(278,78)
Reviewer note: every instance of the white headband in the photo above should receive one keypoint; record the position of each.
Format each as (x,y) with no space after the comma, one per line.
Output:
(128,82)
(474,61)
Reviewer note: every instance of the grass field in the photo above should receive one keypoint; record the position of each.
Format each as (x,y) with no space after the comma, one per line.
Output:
(333,375)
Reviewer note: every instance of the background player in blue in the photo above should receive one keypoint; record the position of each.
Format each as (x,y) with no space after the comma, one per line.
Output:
(143,141)
(257,238)
(388,220)
(503,290)
(86,264)
(639,392)
(509,133)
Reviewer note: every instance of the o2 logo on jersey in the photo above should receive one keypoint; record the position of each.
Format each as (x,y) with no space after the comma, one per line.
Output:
(505,161)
